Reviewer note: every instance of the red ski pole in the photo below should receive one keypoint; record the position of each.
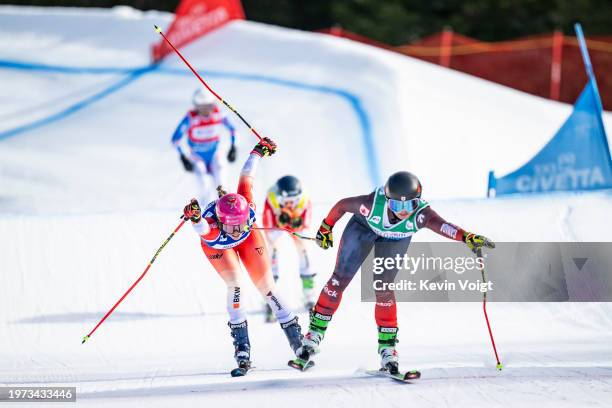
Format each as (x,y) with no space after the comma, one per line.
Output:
(484,309)
(137,280)
(230,107)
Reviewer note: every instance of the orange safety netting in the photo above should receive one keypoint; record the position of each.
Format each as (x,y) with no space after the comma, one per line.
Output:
(524,64)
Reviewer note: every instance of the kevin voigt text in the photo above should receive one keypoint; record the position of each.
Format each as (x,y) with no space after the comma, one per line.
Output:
(428,285)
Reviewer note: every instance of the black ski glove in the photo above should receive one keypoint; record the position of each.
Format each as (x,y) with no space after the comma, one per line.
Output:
(231,155)
(297,222)
(284,218)
(187,164)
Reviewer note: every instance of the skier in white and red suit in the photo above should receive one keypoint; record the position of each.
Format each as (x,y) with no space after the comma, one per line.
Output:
(289,207)
(229,236)
(391,214)
(197,139)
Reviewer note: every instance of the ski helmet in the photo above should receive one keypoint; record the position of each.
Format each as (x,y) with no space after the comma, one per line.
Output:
(403,186)
(202,97)
(232,209)
(289,186)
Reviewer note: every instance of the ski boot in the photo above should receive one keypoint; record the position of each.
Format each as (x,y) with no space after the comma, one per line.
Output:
(311,341)
(242,348)
(293,331)
(389,360)
(316,332)
(387,338)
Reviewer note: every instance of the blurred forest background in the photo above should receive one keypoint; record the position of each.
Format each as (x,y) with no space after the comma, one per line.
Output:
(398,22)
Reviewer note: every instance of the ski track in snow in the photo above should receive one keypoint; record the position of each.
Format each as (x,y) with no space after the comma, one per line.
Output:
(439,387)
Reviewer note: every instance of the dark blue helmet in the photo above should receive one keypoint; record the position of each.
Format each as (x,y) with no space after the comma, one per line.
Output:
(289,186)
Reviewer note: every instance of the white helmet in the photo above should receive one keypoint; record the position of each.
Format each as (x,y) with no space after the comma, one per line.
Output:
(203,97)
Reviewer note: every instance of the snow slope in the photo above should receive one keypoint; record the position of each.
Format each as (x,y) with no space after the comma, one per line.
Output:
(86,200)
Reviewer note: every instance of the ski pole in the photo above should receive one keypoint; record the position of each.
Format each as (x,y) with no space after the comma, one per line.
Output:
(183,219)
(300,236)
(484,309)
(230,107)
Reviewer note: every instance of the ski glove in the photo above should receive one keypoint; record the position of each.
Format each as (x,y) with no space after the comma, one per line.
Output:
(284,219)
(231,155)
(187,164)
(475,242)
(265,147)
(193,211)
(297,222)
(324,237)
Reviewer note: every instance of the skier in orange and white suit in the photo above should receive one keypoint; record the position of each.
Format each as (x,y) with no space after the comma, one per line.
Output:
(227,235)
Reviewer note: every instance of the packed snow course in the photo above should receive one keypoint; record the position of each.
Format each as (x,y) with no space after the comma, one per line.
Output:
(91,187)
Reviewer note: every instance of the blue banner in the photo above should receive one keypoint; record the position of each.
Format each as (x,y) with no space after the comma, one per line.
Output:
(577,157)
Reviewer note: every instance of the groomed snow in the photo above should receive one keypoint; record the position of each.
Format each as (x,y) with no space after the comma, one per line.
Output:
(87,200)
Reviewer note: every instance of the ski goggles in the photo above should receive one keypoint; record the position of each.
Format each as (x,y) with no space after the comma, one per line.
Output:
(289,200)
(235,229)
(205,108)
(397,206)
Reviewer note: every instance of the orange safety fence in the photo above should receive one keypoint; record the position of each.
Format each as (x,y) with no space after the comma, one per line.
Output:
(548,65)
(503,46)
